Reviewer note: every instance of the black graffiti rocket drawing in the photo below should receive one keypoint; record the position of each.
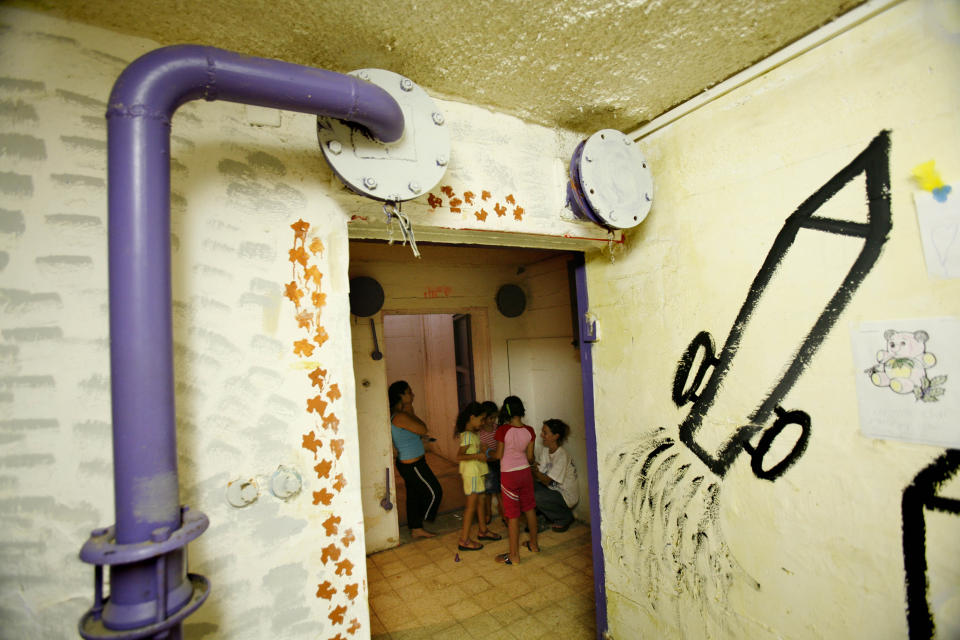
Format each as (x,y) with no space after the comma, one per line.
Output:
(701,390)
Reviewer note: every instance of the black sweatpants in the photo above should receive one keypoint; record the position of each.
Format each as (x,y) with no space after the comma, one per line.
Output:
(423,491)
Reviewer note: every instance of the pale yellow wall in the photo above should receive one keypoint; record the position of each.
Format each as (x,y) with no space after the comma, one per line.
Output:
(817,553)
(279,568)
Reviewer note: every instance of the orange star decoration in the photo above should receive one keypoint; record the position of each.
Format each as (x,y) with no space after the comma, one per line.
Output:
(323,468)
(331,422)
(340,483)
(352,590)
(304,320)
(321,336)
(344,566)
(332,524)
(500,209)
(313,273)
(354,626)
(303,348)
(311,443)
(518,213)
(336,616)
(447,190)
(317,376)
(481,215)
(337,447)
(317,405)
(455,205)
(330,552)
(434,201)
(484,195)
(347,538)
(469,196)
(323,496)
(293,292)
(297,254)
(334,392)
(316,246)
(339,636)
(510,199)
(326,590)
(300,229)
(318,299)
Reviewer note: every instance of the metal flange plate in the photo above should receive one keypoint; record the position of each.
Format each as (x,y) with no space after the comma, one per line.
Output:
(398,171)
(615,179)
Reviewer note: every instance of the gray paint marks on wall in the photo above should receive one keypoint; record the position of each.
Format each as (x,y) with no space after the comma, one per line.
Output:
(91,428)
(77,180)
(15,184)
(234,169)
(215,247)
(4,260)
(93,122)
(6,397)
(22,146)
(26,382)
(266,346)
(17,549)
(106,57)
(8,438)
(257,251)
(181,141)
(19,85)
(282,407)
(87,145)
(96,467)
(23,302)
(12,222)
(9,482)
(29,424)
(32,334)
(267,163)
(52,37)
(74,221)
(177,166)
(81,100)
(25,460)
(177,201)
(96,382)
(18,111)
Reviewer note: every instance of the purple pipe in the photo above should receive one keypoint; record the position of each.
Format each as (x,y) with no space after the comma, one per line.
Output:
(142,104)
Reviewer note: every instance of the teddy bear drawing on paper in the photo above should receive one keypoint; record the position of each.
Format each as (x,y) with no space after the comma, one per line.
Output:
(903,365)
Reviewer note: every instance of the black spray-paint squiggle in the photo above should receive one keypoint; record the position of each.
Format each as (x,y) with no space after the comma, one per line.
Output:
(873,163)
(920,495)
(672,543)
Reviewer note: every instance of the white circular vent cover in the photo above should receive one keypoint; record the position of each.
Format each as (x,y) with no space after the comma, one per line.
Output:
(398,171)
(615,179)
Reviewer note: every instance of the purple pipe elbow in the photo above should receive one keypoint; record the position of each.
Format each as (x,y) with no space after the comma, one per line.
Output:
(141,107)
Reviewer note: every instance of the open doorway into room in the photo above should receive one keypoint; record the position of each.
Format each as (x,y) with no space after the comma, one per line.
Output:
(440,329)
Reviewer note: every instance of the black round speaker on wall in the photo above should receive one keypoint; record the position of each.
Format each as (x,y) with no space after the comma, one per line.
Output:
(366,296)
(511,300)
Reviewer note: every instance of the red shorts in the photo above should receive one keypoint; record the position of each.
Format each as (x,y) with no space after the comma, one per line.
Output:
(516,492)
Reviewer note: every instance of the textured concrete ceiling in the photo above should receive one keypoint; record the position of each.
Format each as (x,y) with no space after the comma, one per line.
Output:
(582,65)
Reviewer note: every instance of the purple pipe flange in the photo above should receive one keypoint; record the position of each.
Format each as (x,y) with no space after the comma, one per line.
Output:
(141,106)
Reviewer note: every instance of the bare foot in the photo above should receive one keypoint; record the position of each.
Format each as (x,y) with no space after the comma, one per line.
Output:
(531,548)
(421,533)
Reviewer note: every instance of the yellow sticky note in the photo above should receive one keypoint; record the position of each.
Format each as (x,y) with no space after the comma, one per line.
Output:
(927,176)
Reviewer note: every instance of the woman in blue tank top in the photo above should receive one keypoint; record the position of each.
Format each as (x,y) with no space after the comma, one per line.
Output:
(423,489)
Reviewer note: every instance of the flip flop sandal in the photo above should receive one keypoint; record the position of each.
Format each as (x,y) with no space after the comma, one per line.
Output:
(527,545)
(464,547)
(560,528)
(489,535)
(503,558)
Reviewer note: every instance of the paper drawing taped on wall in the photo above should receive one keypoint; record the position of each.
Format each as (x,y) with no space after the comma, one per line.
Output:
(701,391)
(902,366)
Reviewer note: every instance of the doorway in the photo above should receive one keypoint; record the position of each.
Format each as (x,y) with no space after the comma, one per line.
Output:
(533,355)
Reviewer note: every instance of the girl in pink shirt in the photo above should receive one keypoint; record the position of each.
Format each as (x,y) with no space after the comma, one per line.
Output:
(515,452)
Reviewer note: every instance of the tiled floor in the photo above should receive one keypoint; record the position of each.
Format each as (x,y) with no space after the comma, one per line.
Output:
(428,590)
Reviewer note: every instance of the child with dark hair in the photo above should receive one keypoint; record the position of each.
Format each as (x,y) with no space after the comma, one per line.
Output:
(515,452)
(556,491)
(473,468)
(489,442)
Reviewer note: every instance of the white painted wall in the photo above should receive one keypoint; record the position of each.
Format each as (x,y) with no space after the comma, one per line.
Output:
(242,390)
(817,553)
